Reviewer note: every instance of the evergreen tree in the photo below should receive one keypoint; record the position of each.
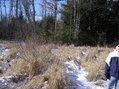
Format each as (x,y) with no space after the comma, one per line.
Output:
(98,25)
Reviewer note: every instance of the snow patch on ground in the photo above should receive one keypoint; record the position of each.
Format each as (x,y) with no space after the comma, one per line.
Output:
(76,76)
(3,52)
(13,81)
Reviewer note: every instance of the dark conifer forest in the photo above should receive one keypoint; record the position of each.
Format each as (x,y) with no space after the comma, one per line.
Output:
(81,22)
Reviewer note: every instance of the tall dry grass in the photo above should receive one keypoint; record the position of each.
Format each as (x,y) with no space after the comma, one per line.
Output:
(53,78)
(94,62)
(44,70)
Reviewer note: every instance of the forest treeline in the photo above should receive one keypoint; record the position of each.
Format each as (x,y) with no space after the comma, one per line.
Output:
(83,22)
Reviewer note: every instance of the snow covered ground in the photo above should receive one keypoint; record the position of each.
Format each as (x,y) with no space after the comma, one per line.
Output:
(77,77)
(3,52)
(13,81)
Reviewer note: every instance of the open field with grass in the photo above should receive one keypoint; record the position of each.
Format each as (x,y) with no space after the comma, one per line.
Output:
(32,65)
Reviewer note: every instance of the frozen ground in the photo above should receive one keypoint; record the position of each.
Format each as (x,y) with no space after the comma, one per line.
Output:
(77,77)
(12,81)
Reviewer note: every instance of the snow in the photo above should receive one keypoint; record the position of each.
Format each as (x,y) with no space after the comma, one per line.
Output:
(77,77)
(6,82)
(3,52)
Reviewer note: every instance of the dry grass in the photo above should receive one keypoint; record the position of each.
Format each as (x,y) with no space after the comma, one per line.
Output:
(44,64)
(93,61)
(54,78)
(95,67)
(64,52)
(40,65)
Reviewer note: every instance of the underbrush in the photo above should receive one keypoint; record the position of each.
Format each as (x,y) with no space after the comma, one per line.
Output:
(43,69)
(43,65)
(94,62)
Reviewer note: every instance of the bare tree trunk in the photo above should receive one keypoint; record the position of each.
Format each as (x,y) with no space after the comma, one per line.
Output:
(17,1)
(33,6)
(45,9)
(55,15)
(74,5)
(67,1)
(33,12)
(27,12)
(77,4)
(1,9)
(42,11)
(5,8)
(11,9)
(78,15)
(90,17)
(26,7)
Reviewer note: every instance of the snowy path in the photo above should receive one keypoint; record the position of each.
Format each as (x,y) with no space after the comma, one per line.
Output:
(77,77)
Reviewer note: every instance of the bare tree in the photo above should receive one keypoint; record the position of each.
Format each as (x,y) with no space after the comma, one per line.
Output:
(17,1)
(55,15)
(1,8)
(5,7)
(33,8)
(76,6)
(78,15)
(44,10)
(11,9)
(26,5)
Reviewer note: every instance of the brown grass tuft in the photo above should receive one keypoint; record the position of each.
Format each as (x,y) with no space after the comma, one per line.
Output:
(44,69)
(44,64)
(95,67)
